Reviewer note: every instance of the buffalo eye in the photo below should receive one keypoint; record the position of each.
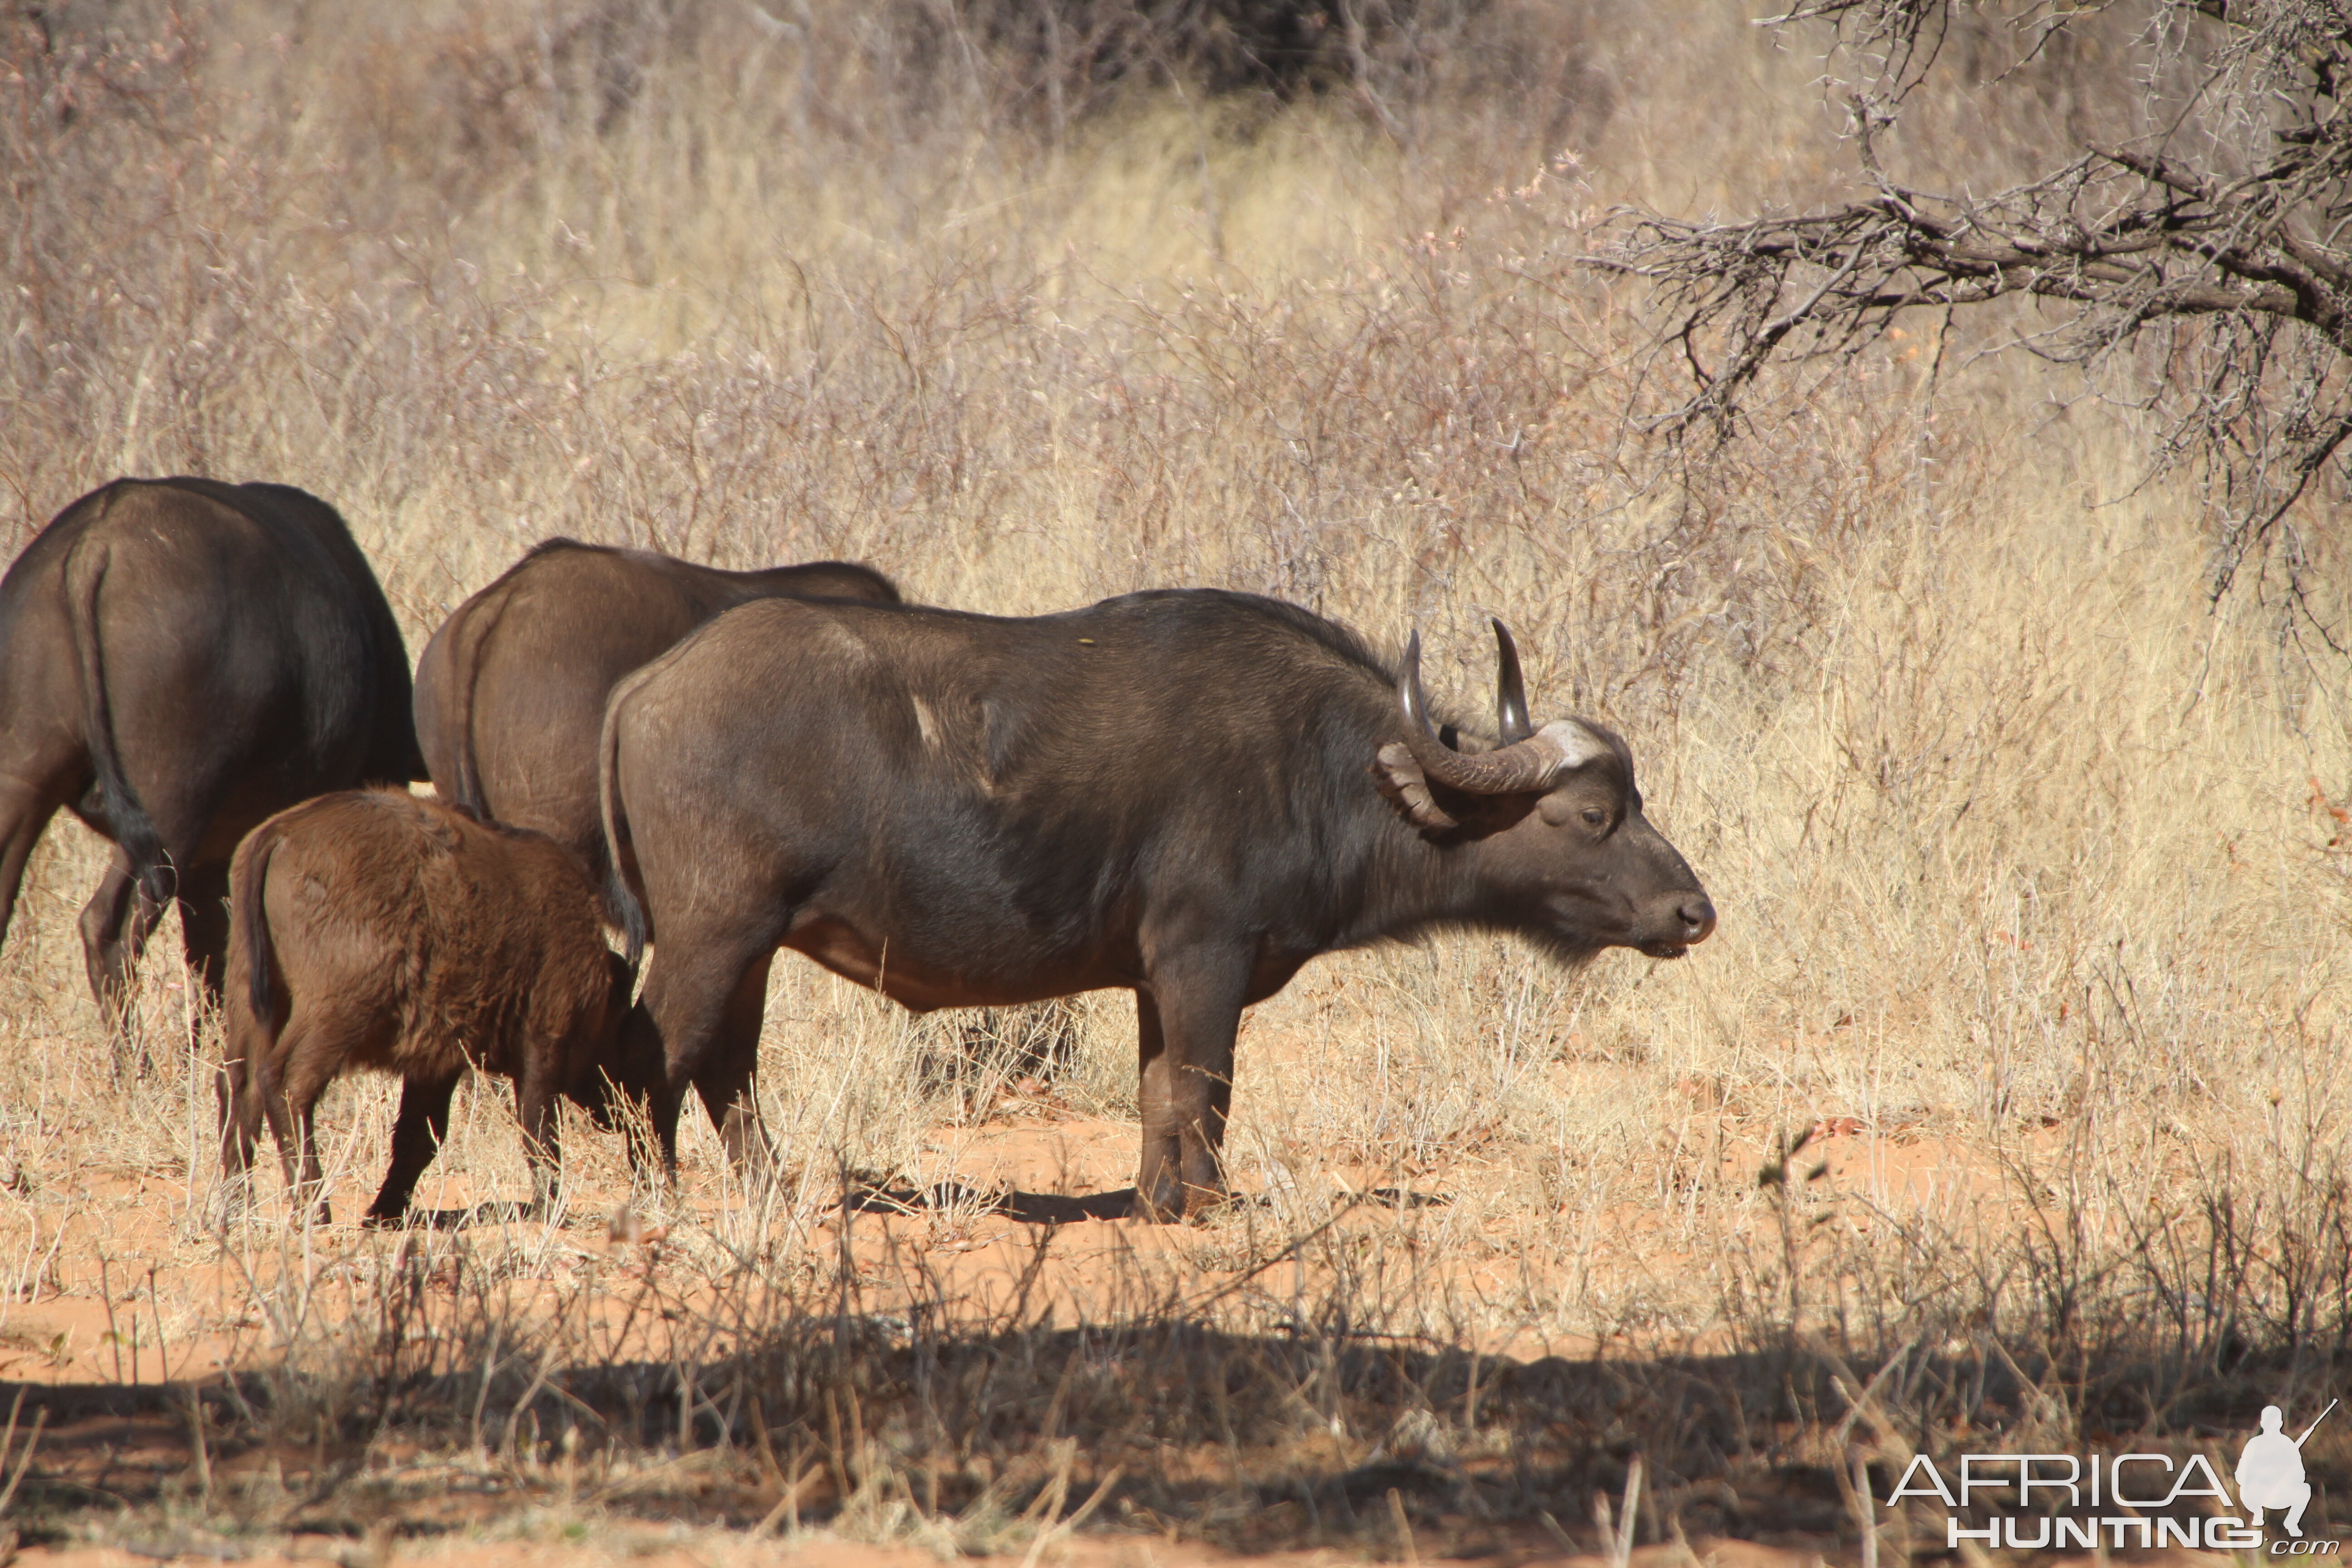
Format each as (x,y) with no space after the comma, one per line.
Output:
(1594,817)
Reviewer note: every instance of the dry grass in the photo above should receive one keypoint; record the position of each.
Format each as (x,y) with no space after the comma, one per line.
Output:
(2031,861)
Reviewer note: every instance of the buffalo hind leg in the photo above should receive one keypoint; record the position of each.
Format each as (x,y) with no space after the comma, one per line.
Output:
(121,917)
(25,812)
(416,1135)
(1184,1051)
(297,1095)
(265,1090)
(725,1084)
(320,1037)
(115,929)
(1157,1194)
(240,1123)
(535,1109)
(700,996)
(243,1086)
(204,926)
(115,925)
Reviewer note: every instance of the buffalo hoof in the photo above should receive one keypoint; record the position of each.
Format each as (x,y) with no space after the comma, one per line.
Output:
(1188,1204)
(1162,1212)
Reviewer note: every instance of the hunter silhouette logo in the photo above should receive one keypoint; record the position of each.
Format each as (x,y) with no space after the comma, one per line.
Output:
(2116,1502)
(2270,1470)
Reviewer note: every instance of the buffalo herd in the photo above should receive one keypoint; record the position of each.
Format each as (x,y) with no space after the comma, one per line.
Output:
(1184,794)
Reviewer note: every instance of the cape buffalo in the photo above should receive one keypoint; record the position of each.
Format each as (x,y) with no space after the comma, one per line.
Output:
(1185,793)
(178,659)
(512,689)
(372,928)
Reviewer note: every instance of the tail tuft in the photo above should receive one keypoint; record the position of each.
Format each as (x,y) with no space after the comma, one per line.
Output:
(622,900)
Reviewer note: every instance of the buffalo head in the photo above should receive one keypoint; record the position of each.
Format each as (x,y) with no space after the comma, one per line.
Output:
(1554,820)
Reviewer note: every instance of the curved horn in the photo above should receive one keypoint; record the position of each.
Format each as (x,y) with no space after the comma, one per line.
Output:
(1510,689)
(1529,764)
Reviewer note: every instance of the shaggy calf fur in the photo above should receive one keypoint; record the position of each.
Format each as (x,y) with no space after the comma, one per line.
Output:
(372,929)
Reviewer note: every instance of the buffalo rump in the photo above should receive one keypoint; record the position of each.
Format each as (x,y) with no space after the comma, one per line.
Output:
(510,690)
(178,659)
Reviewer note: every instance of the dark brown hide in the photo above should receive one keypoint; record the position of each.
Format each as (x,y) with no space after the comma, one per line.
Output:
(511,689)
(178,659)
(1185,795)
(374,929)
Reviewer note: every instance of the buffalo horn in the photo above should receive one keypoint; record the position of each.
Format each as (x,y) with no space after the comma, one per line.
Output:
(1510,689)
(1529,764)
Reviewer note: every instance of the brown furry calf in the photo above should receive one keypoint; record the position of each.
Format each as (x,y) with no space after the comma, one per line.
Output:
(372,929)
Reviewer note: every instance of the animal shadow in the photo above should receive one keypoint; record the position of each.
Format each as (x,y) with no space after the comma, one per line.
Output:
(505,1212)
(867,1194)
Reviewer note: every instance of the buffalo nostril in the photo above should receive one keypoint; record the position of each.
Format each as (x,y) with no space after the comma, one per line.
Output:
(1698,919)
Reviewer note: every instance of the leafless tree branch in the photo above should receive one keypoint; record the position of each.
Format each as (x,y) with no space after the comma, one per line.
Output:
(2222,255)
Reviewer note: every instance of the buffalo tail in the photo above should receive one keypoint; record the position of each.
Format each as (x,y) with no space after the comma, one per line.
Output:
(623,881)
(248,878)
(481,618)
(134,830)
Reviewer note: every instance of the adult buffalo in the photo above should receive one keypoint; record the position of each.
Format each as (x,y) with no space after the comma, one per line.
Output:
(1185,793)
(512,689)
(179,658)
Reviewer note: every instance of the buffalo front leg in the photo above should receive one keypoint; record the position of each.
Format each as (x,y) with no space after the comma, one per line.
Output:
(1184,1040)
(416,1135)
(1159,1193)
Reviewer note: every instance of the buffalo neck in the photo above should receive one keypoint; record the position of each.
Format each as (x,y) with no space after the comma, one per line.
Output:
(1416,884)
(1403,882)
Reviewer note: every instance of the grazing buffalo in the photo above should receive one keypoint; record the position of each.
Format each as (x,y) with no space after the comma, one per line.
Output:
(178,659)
(512,689)
(1185,793)
(372,929)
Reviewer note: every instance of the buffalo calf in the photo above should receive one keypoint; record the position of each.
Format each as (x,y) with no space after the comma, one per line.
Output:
(372,929)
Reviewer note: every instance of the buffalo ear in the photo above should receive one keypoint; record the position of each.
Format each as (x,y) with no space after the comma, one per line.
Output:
(1400,779)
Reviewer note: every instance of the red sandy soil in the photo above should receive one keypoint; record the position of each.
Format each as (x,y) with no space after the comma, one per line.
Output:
(1034,1162)
(1023,1182)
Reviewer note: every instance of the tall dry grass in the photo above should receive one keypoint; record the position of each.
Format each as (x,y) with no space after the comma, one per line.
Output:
(2027,853)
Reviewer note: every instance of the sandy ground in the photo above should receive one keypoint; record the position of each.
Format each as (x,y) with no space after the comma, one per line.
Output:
(1030,1218)
(1012,1233)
